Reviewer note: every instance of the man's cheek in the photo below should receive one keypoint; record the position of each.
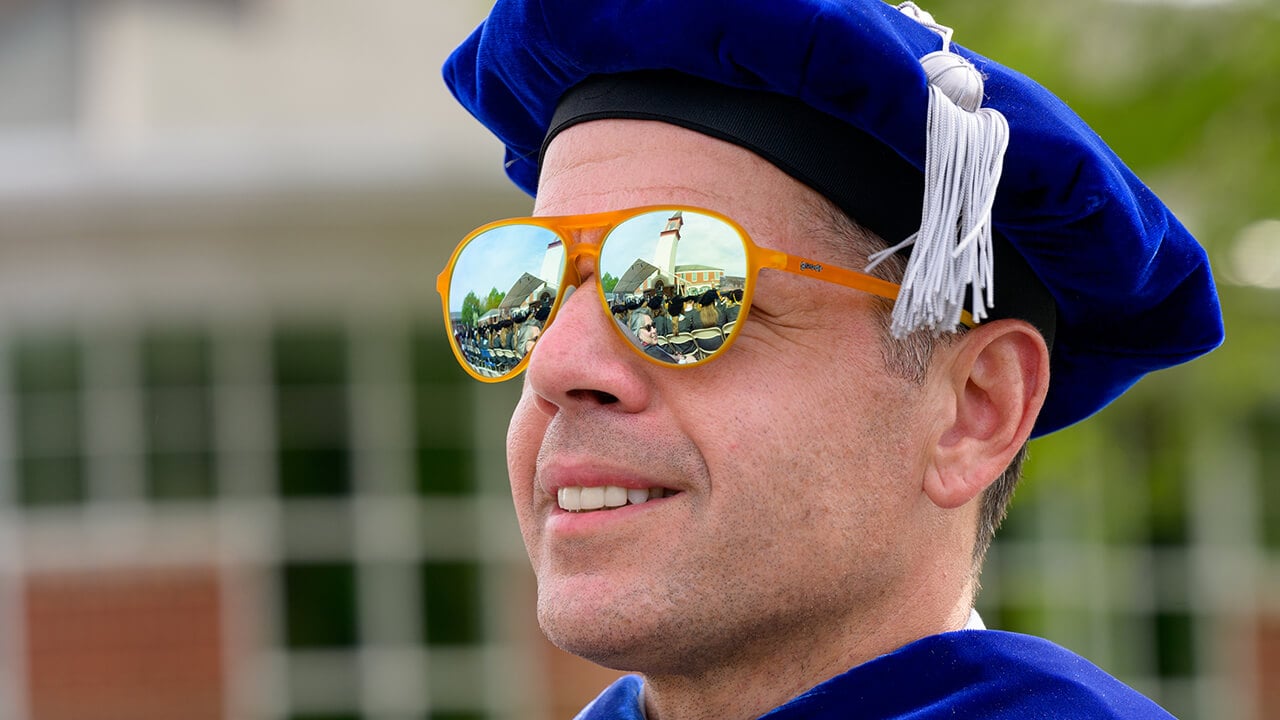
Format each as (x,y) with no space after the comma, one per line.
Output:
(524,434)
(524,438)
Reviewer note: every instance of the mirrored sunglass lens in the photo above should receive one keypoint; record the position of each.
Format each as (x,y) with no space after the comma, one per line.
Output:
(502,289)
(682,268)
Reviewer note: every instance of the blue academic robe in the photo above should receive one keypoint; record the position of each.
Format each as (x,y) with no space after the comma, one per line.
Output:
(983,674)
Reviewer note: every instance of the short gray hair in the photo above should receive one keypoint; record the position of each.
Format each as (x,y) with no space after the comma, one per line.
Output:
(909,357)
(635,322)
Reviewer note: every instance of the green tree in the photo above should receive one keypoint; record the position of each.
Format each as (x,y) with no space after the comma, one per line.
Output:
(494,299)
(471,309)
(608,282)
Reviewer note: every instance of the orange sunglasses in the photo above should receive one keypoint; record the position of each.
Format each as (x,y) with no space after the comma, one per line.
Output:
(691,270)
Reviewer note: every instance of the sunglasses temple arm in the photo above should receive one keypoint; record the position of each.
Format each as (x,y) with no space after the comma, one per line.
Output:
(841,276)
(829,273)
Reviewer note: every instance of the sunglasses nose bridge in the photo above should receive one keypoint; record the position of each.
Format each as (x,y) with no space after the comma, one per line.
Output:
(581,259)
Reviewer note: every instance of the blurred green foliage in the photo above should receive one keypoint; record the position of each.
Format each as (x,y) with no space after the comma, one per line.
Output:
(1104,546)
(1187,95)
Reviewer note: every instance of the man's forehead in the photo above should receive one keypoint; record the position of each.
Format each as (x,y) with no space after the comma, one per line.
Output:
(611,164)
(615,163)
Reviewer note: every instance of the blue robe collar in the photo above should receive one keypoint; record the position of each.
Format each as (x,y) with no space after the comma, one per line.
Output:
(965,674)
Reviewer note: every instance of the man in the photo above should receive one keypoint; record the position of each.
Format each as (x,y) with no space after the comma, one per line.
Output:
(794,525)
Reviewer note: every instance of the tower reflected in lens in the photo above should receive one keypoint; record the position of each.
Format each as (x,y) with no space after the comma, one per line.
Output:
(693,263)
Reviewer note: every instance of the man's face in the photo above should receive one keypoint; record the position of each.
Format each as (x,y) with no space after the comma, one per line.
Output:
(790,465)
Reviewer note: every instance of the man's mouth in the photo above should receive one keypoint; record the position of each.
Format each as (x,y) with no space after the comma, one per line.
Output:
(588,499)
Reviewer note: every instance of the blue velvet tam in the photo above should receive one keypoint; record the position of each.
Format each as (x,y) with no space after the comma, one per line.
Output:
(1130,291)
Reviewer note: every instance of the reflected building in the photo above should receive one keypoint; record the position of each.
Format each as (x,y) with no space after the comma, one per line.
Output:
(550,273)
(662,275)
(664,256)
(697,279)
(690,279)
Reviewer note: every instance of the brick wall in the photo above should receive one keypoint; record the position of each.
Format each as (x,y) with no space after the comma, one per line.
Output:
(136,644)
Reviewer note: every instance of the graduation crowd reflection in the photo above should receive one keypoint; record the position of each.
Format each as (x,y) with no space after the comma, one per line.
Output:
(673,328)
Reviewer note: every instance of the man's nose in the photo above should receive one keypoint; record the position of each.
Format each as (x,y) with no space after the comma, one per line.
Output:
(581,360)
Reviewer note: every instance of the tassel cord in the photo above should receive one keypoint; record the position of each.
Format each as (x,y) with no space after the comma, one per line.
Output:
(963,165)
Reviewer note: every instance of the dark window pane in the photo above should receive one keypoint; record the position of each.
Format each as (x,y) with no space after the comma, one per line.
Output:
(310,356)
(433,361)
(1162,446)
(48,424)
(50,481)
(444,415)
(310,368)
(451,594)
(1266,441)
(1175,644)
(311,416)
(178,420)
(338,716)
(181,476)
(311,427)
(46,364)
(178,406)
(444,453)
(320,605)
(314,472)
(48,418)
(445,471)
(176,358)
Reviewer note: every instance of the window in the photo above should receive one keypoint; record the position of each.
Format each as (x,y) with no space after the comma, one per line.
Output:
(377,587)
(178,405)
(310,369)
(48,419)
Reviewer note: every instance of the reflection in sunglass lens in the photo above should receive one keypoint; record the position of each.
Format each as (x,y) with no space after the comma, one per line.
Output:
(682,271)
(694,258)
(503,285)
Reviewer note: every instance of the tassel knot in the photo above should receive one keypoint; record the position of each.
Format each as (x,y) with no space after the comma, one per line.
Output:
(956,77)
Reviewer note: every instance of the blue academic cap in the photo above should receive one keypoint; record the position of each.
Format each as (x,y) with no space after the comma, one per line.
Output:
(1130,290)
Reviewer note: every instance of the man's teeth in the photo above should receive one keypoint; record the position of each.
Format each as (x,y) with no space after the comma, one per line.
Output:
(577,499)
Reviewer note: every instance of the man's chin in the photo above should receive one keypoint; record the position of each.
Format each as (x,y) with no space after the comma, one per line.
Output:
(623,635)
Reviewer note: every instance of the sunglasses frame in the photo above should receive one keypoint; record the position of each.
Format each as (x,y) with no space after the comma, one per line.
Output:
(569,229)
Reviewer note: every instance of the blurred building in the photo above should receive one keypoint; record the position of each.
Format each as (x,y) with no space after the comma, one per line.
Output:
(241,476)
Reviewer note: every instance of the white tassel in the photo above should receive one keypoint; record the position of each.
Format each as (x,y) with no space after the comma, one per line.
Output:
(965,148)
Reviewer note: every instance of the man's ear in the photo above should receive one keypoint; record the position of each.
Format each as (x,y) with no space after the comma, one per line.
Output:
(995,377)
